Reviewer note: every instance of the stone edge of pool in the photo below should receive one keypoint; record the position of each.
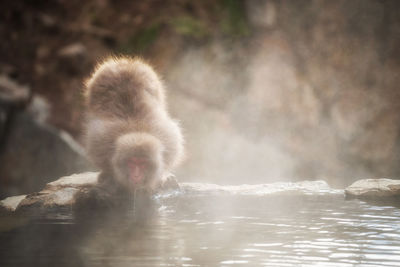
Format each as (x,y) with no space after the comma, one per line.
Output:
(61,193)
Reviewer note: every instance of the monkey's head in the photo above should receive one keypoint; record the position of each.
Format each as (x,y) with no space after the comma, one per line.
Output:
(137,161)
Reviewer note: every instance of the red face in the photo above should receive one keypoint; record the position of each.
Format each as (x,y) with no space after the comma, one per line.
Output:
(137,169)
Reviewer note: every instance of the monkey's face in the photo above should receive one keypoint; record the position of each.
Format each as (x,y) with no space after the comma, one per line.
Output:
(136,172)
(137,161)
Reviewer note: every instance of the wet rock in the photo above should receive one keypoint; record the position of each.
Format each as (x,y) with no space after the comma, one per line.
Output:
(58,194)
(48,200)
(374,189)
(66,192)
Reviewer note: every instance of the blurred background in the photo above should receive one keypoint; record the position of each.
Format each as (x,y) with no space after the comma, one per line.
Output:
(265,90)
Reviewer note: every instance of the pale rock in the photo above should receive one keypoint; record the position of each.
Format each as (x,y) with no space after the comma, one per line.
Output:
(374,188)
(58,194)
(11,203)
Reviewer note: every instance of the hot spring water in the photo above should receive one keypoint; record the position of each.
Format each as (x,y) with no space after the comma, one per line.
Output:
(215,230)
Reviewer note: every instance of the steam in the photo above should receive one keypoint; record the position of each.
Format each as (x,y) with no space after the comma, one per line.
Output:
(224,98)
(252,115)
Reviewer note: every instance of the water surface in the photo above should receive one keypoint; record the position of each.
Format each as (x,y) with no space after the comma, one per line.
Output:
(206,230)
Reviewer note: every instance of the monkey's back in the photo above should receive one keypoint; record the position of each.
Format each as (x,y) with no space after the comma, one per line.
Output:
(123,88)
(124,96)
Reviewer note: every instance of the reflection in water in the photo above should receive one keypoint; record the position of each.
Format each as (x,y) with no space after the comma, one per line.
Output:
(216,231)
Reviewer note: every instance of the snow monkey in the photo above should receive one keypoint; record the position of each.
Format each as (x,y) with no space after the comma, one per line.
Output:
(129,134)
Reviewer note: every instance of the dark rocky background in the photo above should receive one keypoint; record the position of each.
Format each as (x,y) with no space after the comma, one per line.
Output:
(265,90)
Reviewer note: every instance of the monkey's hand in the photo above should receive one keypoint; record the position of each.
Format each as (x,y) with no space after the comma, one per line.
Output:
(169,183)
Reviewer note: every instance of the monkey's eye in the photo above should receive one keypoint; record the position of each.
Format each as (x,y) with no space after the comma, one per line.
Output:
(137,161)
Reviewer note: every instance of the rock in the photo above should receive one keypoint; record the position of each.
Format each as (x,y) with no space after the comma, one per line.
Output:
(31,151)
(48,200)
(374,189)
(13,97)
(63,193)
(58,194)
(11,203)
(34,152)
(75,180)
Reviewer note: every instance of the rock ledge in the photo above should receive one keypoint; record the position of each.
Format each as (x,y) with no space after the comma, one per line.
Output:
(62,193)
(374,189)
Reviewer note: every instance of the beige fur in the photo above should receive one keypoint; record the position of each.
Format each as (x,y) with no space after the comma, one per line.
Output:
(127,116)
